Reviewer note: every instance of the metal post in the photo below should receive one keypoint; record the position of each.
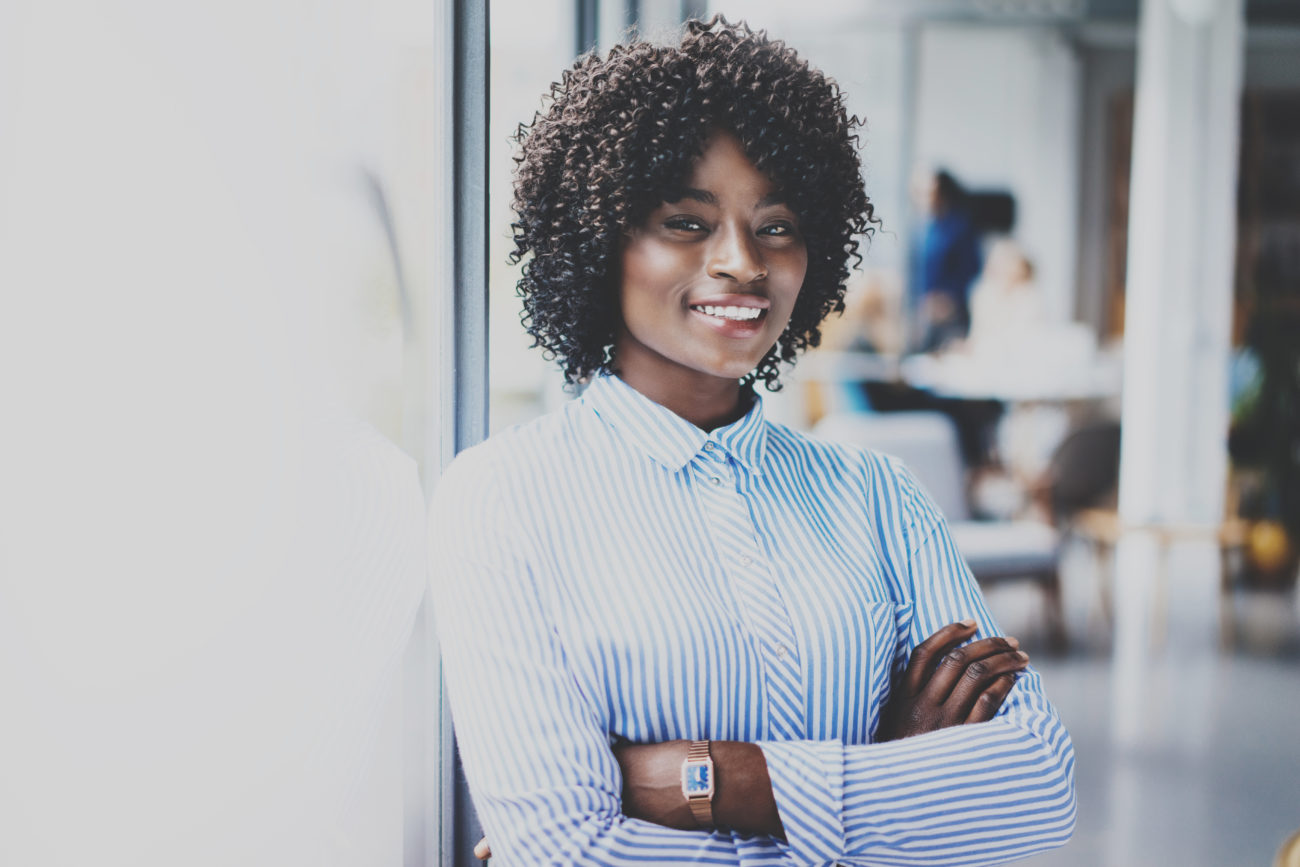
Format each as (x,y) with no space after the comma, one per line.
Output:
(470,340)
(694,9)
(470,88)
(586,33)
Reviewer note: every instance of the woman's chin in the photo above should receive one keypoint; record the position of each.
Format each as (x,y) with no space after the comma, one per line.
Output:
(733,369)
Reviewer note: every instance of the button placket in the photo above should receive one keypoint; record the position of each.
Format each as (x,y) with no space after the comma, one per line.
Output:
(717,471)
(727,510)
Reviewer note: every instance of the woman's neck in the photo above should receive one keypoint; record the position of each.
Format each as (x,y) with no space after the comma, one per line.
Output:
(707,404)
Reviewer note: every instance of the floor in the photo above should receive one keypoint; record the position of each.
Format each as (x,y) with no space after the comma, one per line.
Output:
(1211,776)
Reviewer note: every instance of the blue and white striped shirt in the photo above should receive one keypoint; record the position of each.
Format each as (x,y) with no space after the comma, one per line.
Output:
(612,570)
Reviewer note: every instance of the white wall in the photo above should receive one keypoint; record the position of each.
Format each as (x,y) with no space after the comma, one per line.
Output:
(201,612)
(999,107)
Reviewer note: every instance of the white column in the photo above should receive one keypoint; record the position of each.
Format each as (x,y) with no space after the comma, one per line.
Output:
(1176,344)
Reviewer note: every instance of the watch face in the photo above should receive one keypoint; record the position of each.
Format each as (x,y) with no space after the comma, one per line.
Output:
(697,780)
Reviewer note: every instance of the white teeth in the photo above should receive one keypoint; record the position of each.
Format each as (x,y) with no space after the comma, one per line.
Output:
(740,314)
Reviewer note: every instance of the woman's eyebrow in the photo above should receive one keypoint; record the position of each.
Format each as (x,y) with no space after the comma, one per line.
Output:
(703,196)
(776,197)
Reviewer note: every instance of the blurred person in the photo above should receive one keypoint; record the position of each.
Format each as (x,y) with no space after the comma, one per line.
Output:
(1008,324)
(1006,303)
(1012,341)
(975,420)
(673,631)
(945,260)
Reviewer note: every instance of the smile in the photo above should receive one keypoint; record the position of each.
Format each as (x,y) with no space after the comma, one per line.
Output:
(735,314)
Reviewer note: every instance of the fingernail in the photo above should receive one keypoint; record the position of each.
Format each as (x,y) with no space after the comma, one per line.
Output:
(1022,656)
(1014,642)
(968,623)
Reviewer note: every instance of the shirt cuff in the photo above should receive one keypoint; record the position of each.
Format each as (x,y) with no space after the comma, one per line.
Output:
(808,785)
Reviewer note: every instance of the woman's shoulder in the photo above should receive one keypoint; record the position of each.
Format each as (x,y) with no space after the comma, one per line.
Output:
(538,445)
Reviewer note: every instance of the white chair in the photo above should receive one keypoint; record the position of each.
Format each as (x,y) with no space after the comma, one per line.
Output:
(996,551)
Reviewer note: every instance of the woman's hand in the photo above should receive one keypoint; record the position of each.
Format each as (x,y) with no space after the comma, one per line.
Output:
(947,685)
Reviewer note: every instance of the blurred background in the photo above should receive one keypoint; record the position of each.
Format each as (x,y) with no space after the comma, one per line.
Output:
(1079,324)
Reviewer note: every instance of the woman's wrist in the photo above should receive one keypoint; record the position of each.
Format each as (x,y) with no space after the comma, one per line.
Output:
(744,800)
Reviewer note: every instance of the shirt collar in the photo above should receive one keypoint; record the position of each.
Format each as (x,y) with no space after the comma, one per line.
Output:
(667,437)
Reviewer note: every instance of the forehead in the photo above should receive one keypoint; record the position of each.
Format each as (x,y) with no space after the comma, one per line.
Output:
(724,173)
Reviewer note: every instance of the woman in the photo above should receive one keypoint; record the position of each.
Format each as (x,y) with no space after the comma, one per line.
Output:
(676,633)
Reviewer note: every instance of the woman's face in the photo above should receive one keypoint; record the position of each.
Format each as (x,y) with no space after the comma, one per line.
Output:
(709,281)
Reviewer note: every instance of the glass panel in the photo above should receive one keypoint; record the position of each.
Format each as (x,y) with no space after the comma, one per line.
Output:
(532,43)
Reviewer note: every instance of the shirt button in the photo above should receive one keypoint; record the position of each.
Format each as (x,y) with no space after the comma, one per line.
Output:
(780,651)
(714,480)
(745,561)
(708,447)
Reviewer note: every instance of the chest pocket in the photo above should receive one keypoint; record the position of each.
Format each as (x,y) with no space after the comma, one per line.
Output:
(852,649)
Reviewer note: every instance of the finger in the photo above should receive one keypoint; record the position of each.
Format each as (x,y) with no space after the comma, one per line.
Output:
(481,850)
(973,650)
(990,700)
(978,677)
(951,667)
(926,655)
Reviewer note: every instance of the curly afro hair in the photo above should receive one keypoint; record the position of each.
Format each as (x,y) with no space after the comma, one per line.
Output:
(620,132)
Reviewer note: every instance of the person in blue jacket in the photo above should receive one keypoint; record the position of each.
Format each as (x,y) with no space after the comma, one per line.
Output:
(946,261)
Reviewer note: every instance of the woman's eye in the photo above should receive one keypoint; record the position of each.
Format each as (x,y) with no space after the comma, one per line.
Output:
(684,224)
(778,230)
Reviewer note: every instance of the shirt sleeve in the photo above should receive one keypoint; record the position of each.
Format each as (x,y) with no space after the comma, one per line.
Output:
(983,793)
(537,757)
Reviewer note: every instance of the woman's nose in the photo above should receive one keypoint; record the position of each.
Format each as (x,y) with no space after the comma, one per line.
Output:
(733,255)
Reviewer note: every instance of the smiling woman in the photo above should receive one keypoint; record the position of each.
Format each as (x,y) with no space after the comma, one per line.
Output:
(620,139)
(672,631)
